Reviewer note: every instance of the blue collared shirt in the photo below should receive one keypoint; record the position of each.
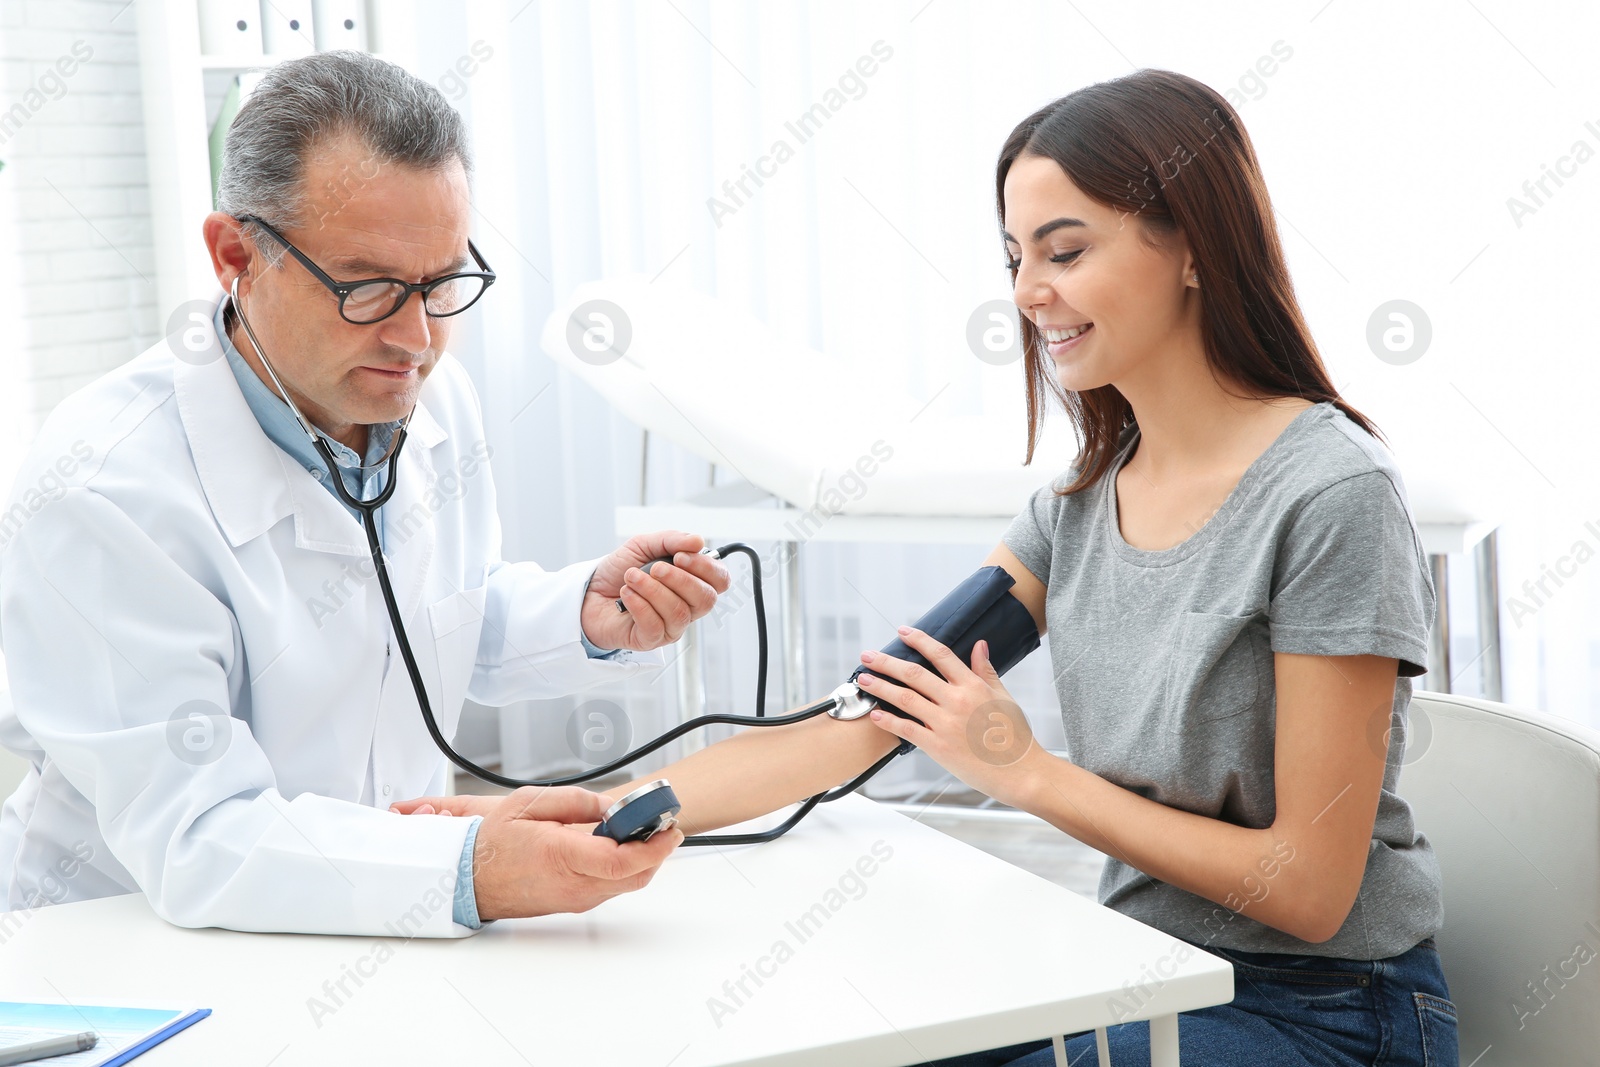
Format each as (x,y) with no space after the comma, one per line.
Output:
(279,424)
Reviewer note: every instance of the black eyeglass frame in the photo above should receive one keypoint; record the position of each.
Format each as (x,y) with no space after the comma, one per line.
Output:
(343,289)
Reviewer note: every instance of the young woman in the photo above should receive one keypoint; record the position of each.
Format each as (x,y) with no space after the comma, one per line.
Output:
(1234,593)
(1234,590)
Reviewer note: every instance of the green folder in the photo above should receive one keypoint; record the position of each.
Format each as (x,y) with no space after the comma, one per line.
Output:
(219,134)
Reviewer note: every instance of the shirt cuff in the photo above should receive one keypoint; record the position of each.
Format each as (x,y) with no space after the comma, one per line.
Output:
(594,650)
(466,902)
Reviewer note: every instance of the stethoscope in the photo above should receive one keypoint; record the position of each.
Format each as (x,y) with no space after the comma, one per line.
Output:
(652,807)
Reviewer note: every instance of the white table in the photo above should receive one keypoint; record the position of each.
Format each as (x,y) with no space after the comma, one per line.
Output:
(940,950)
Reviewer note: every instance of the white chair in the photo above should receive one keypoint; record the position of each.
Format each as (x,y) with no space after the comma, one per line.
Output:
(1511,801)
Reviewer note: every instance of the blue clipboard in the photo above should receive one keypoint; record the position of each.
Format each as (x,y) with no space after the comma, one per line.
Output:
(156,1038)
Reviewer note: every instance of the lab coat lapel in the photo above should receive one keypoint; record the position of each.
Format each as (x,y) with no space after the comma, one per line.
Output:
(252,484)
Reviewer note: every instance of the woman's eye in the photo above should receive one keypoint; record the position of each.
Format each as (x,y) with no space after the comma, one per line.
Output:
(1064,258)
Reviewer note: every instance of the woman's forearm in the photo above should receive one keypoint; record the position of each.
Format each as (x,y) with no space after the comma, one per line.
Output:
(764,768)
(1265,873)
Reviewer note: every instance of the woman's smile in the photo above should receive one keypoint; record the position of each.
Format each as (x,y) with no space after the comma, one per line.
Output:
(1060,341)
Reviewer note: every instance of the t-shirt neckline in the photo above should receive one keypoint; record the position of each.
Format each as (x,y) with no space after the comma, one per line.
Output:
(1161,557)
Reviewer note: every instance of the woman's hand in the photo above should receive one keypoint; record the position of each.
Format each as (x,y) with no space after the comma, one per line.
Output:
(970,725)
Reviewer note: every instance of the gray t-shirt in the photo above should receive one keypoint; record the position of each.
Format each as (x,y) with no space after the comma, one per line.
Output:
(1163,660)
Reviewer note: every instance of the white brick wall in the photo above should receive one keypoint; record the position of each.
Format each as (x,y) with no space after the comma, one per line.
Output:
(75,246)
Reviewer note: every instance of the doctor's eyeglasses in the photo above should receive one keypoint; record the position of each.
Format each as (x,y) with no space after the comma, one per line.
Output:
(375,299)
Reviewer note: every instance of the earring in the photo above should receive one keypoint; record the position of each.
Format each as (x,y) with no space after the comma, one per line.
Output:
(1195,278)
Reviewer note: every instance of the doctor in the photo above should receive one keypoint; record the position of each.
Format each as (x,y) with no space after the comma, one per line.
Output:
(202,668)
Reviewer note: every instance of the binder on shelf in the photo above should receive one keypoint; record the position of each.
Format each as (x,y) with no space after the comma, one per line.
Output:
(287,27)
(340,24)
(230,27)
(239,91)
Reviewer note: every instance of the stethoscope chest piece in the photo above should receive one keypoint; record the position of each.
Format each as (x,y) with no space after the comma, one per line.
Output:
(641,814)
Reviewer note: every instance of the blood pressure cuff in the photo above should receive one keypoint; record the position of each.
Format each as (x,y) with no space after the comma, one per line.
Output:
(979,609)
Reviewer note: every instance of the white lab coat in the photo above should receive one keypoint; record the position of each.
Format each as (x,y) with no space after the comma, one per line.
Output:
(199,662)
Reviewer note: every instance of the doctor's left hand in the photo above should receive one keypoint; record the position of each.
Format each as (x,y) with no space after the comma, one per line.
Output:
(661,604)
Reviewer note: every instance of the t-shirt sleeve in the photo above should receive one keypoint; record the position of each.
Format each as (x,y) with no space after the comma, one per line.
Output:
(1031,535)
(1351,578)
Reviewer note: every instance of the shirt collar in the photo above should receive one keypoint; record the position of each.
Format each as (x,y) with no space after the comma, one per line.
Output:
(277,419)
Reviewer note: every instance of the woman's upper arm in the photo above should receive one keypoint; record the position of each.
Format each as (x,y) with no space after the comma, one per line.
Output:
(1029,589)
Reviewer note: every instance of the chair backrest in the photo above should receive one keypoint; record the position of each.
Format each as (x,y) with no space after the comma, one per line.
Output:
(1510,800)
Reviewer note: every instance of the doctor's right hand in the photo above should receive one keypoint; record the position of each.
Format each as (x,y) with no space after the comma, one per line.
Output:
(535,855)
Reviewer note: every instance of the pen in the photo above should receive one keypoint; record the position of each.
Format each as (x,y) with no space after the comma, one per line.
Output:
(50,1046)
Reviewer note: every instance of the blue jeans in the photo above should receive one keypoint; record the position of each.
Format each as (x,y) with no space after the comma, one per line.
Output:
(1288,1011)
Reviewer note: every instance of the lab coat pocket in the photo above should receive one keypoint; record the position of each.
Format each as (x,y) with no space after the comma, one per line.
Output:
(457,622)
(1212,671)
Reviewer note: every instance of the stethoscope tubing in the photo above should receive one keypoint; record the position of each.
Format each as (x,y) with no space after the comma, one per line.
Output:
(368,510)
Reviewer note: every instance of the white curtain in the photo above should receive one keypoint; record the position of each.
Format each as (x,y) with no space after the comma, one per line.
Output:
(612,137)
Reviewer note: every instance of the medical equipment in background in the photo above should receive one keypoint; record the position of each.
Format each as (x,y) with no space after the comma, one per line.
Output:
(980,608)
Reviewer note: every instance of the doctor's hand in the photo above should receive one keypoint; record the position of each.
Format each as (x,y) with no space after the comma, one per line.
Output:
(970,724)
(535,854)
(463,804)
(661,604)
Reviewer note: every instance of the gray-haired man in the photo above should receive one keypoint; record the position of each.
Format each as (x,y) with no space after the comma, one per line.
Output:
(204,674)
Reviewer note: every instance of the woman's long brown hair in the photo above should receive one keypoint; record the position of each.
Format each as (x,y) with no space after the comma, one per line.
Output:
(1171,152)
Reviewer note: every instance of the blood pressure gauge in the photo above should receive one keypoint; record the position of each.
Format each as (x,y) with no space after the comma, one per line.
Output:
(641,814)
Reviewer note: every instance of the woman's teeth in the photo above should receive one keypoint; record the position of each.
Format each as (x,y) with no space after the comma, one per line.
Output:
(1055,336)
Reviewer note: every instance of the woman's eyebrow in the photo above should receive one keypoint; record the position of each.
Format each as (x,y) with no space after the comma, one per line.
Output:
(1048,228)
